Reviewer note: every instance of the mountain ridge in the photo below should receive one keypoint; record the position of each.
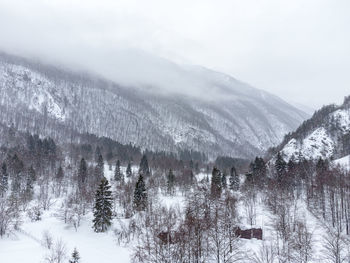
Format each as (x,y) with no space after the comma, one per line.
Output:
(243,124)
(325,135)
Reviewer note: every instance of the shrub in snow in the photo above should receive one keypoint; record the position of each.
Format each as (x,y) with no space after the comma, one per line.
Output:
(47,239)
(34,213)
(57,253)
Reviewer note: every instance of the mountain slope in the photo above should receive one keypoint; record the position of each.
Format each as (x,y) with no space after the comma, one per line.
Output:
(232,119)
(326,135)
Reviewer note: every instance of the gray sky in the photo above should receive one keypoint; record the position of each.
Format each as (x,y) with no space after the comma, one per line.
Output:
(299,50)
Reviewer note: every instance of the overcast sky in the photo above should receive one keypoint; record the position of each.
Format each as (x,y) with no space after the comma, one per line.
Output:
(299,50)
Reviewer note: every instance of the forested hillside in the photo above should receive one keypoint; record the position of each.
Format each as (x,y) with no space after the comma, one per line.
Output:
(326,134)
(239,121)
(58,199)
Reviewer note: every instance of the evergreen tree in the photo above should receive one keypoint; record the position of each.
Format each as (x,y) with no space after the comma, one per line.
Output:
(234,179)
(191,164)
(249,178)
(144,168)
(17,167)
(128,170)
(191,177)
(216,183)
(82,173)
(291,166)
(103,207)
(257,171)
(196,167)
(29,192)
(181,164)
(321,166)
(3,180)
(258,168)
(99,169)
(207,177)
(117,172)
(280,166)
(32,173)
(97,153)
(60,174)
(75,257)
(223,180)
(170,182)
(140,195)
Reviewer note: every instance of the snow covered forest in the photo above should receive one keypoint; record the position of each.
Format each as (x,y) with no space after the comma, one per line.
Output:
(174,131)
(100,200)
(78,182)
(73,188)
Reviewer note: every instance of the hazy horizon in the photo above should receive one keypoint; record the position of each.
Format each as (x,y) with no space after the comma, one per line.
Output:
(296,50)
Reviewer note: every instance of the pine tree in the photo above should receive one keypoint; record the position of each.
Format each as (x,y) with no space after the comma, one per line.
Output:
(196,167)
(75,256)
(234,179)
(17,167)
(97,153)
(258,168)
(128,170)
(223,180)
(280,166)
(249,178)
(82,173)
(191,177)
(291,166)
(3,180)
(29,192)
(140,195)
(32,173)
(99,169)
(170,182)
(216,183)
(191,164)
(144,168)
(117,173)
(60,174)
(103,207)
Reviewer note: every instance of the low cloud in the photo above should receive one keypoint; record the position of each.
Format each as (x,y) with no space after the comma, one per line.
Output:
(295,49)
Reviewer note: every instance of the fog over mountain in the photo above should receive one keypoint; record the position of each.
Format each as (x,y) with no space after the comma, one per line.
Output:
(219,115)
(287,49)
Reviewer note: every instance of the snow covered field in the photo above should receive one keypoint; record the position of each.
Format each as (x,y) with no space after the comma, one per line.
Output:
(27,244)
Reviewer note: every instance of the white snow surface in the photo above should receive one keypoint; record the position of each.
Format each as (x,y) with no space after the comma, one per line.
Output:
(27,246)
(93,247)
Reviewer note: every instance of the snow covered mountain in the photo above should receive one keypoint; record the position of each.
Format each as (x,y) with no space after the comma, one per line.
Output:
(326,135)
(232,118)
